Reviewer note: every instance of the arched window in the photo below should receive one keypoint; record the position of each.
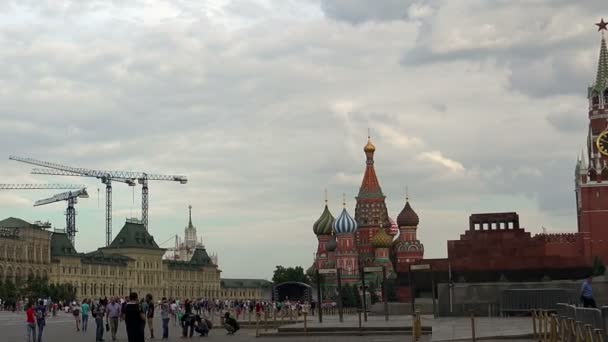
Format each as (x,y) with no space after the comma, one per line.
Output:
(595,100)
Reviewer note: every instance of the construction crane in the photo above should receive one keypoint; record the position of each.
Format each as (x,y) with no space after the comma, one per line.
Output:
(70,214)
(67,196)
(39,186)
(107,177)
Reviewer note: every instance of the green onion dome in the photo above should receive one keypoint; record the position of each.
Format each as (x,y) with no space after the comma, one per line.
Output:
(324,224)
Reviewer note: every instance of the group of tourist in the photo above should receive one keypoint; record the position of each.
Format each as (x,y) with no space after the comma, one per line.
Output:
(136,314)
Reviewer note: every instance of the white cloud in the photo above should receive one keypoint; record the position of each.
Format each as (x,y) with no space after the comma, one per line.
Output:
(437,158)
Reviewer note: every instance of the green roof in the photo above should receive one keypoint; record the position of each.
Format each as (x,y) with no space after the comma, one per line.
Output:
(200,257)
(101,258)
(61,246)
(601,81)
(245,283)
(133,235)
(13,222)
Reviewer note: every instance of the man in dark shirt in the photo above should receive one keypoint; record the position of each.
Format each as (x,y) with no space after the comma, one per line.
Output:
(40,318)
(134,319)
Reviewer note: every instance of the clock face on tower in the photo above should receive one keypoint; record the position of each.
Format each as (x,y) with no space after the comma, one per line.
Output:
(602,143)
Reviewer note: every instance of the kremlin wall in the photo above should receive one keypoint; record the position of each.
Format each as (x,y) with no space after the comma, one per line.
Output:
(494,248)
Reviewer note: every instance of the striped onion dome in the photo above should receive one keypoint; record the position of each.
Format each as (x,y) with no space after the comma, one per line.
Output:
(394,229)
(345,224)
(324,224)
(381,239)
(332,244)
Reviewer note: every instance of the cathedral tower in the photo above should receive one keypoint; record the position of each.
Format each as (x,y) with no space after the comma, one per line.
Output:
(370,212)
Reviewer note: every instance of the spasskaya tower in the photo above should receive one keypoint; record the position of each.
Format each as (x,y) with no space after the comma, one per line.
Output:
(591,173)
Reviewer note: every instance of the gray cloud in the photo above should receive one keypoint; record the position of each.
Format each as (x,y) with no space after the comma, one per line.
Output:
(264,112)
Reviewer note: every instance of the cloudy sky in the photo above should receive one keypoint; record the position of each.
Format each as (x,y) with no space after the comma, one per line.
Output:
(475,105)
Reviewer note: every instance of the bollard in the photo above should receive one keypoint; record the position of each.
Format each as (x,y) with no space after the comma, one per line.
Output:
(305,325)
(274,318)
(360,327)
(535,334)
(265,320)
(473,326)
(249,316)
(257,324)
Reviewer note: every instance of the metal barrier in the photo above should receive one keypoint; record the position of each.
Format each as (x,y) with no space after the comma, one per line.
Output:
(569,324)
(524,300)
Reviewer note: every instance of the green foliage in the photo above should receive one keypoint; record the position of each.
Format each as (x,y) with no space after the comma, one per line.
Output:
(282,274)
(35,288)
(598,268)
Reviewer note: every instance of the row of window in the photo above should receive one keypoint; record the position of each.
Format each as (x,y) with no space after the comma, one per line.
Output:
(23,254)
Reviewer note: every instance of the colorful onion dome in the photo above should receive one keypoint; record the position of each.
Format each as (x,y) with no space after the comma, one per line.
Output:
(394,229)
(408,217)
(324,224)
(369,147)
(381,239)
(345,224)
(332,244)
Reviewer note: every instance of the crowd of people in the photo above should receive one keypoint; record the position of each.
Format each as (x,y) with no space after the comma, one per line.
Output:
(138,315)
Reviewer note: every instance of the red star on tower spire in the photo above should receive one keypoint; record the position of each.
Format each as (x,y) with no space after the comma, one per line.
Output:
(602,25)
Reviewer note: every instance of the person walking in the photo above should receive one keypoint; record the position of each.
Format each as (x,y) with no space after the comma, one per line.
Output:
(99,310)
(76,314)
(40,318)
(86,308)
(150,314)
(113,311)
(30,316)
(134,319)
(165,315)
(587,293)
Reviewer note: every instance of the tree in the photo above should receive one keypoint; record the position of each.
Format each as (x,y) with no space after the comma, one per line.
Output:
(282,274)
(598,267)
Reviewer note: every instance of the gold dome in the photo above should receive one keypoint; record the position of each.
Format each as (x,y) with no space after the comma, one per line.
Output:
(381,239)
(369,147)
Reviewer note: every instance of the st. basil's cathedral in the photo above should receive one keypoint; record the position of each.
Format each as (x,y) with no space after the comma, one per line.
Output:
(495,247)
(371,238)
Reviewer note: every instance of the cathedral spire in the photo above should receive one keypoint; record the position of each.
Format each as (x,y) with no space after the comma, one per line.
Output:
(601,81)
(190,225)
(370,187)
